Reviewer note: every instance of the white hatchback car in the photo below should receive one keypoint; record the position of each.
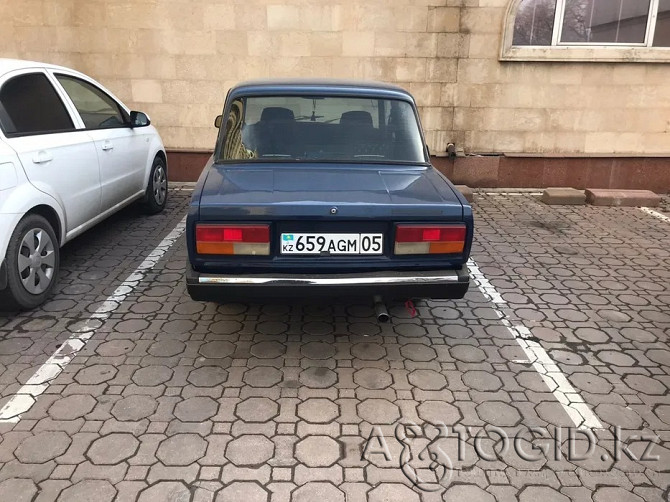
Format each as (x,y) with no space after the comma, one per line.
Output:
(71,154)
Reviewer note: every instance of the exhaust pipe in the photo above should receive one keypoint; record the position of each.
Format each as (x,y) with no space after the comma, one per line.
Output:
(380,309)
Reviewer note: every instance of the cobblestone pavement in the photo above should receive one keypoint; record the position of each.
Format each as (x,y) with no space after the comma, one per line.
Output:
(174,400)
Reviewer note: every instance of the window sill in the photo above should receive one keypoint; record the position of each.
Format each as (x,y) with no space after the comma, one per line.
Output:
(595,54)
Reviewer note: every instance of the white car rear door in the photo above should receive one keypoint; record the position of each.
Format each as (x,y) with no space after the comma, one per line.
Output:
(122,151)
(57,158)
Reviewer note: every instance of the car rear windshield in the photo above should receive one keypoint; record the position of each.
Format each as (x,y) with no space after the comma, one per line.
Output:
(321,129)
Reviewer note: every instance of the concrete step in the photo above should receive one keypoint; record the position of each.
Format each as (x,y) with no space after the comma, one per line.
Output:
(624,198)
(563,196)
(466,191)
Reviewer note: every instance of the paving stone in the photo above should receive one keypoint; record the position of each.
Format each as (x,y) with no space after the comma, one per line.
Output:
(615,358)
(134,408)
(318,410)
(132,326)
(541,493)
(196,409)
(378,411)
(17,490)
(112,449)
(438,412)
(96,374)
(418,352)
(467,353)
(318,377)
(115,348)
(72,407)
(318,350)
(268,350)
(250,450)
(178,326)
(42,447)
(166,491)
(318,451)
(88,490)
(257,409)
(532,380)
(263,376)
(181,449)
(150,376)
(590,383)
(663,412)
(553,413)
(373,378)
(166,348)
(224,327)
(368,351)
(614,494)
(618,415)
(217,350)
(645,384)
(321,491)
(469,492)
(498,413)
(659,356)
(427,379)
(247,491)
(208,376)
(392,491)
(481,380)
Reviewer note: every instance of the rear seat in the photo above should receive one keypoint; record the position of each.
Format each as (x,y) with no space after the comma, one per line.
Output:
(274,133)
(359,135)
(277,132)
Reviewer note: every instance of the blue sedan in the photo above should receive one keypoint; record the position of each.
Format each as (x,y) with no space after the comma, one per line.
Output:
(324,188)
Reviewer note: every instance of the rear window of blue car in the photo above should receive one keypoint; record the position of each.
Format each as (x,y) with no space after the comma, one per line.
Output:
(321,129)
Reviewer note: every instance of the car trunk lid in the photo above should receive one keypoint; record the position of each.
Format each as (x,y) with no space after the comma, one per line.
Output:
(327,191)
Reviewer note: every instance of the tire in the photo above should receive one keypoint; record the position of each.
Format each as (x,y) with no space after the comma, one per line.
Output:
(157,188)
(33,262)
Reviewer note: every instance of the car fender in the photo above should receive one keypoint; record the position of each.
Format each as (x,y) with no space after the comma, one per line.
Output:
(155,147)
(45,196)
(17,203)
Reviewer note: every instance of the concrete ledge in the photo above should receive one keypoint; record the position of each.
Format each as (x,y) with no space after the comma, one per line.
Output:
(466,191)
(563,196)
(624,198)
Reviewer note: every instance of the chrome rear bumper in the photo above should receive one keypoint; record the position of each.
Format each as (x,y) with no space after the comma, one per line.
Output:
(390,284)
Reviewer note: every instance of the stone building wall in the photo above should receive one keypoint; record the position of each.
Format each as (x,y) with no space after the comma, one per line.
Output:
(175,59)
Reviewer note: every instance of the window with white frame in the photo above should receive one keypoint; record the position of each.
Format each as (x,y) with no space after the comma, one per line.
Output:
(590,23)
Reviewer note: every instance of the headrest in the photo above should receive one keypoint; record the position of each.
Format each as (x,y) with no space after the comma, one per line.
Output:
(359,117)
(272,113)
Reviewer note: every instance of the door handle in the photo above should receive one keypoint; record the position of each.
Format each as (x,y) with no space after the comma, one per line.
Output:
(42,157)
(107,145)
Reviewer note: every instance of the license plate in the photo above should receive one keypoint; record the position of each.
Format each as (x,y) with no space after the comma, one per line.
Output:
(332,244)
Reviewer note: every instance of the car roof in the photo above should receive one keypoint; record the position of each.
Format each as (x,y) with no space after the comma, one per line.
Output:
(7,65)
(310,86)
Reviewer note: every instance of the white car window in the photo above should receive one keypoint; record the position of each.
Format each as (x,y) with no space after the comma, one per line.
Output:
(97,109)
(30,105)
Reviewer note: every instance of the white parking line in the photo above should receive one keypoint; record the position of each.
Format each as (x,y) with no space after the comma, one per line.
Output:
(25,397)
(573,403)
(656,214)
(505,194)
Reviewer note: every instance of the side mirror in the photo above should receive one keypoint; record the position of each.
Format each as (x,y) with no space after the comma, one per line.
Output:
(217,121)
(139,119)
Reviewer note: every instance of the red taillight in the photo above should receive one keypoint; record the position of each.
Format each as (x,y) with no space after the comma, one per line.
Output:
(429,233)
(232,239)
(430,239)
